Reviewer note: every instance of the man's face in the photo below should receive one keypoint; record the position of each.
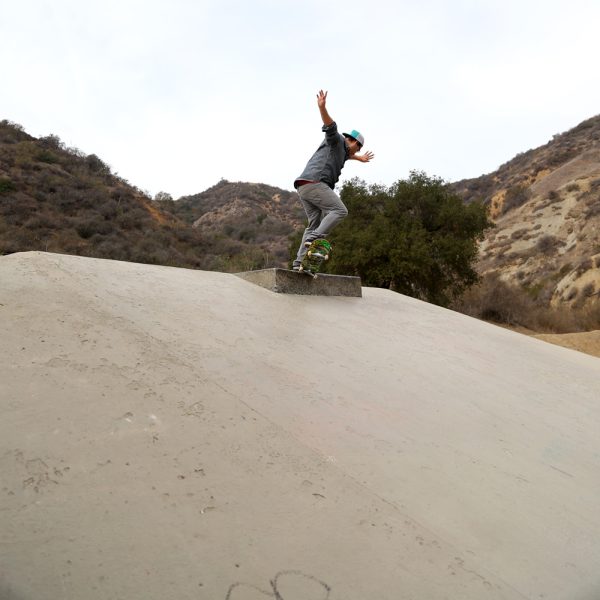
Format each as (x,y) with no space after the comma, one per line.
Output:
(353,146)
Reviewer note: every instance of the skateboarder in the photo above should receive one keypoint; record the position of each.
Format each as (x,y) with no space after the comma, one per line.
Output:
(322,205)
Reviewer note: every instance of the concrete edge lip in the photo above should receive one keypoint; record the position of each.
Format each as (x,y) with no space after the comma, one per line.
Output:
(284,281)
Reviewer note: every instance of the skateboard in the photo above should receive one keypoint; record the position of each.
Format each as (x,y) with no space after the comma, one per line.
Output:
(318,251)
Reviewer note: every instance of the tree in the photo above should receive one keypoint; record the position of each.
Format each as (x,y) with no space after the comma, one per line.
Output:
(97,165)
(415,237)
(163,197)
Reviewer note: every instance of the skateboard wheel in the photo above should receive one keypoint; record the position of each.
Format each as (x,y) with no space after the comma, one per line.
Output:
(326,257)
(309,253)
(300,269)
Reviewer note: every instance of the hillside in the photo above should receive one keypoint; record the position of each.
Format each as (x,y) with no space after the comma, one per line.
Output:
(58,199)
(546,205)
(163,437)
(256,215)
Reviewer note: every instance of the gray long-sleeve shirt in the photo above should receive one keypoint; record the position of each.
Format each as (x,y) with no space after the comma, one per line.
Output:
(327,162)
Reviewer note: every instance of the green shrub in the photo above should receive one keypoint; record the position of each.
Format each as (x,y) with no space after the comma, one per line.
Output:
(52,141)
(46,156)
(95,165)
(416,237)
(6,185)
(5,123)
(86,228)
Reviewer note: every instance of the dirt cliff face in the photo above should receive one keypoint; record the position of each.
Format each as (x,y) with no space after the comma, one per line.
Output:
(546,206)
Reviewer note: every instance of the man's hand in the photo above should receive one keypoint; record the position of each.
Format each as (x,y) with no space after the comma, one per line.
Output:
(322,101)
(366,157)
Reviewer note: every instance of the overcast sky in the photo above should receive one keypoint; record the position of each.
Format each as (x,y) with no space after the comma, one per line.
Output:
(177,94)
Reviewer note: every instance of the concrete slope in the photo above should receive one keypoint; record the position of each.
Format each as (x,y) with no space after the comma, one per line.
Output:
(169,433)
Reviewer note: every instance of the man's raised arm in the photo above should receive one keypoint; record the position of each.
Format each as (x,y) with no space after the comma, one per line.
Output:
(322,100)
(366,157)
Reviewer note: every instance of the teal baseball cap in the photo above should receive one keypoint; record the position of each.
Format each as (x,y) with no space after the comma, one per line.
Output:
(357,136)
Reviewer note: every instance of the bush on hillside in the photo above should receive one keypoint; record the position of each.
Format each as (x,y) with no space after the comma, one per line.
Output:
(516,196)
(497,301)
(51,141)
(6,185)
(96,165)
(547,244)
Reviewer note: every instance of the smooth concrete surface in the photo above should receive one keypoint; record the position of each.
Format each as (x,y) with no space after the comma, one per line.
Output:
(284,281)
(176,434)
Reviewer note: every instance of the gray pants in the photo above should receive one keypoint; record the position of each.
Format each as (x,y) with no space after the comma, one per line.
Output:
(324,211)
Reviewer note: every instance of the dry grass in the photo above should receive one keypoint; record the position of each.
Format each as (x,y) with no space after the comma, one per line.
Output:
(499,302)
(588,342)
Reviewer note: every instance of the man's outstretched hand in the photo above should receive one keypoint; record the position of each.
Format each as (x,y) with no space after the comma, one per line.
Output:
(366,157)
(321,98)
(322,101)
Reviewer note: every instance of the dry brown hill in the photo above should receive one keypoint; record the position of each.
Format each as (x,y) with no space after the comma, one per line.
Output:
(260,217)
(58,199)
(546,206)
(545,202)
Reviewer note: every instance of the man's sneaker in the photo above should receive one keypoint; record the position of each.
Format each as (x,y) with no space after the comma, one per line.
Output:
(297,269)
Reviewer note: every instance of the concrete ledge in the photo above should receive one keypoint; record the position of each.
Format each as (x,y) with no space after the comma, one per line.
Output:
(283,281)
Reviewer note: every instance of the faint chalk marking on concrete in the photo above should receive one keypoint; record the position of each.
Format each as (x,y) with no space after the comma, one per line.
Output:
(307,587)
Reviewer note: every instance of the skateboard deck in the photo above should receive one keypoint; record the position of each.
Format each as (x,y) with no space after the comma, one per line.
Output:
(317,252)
